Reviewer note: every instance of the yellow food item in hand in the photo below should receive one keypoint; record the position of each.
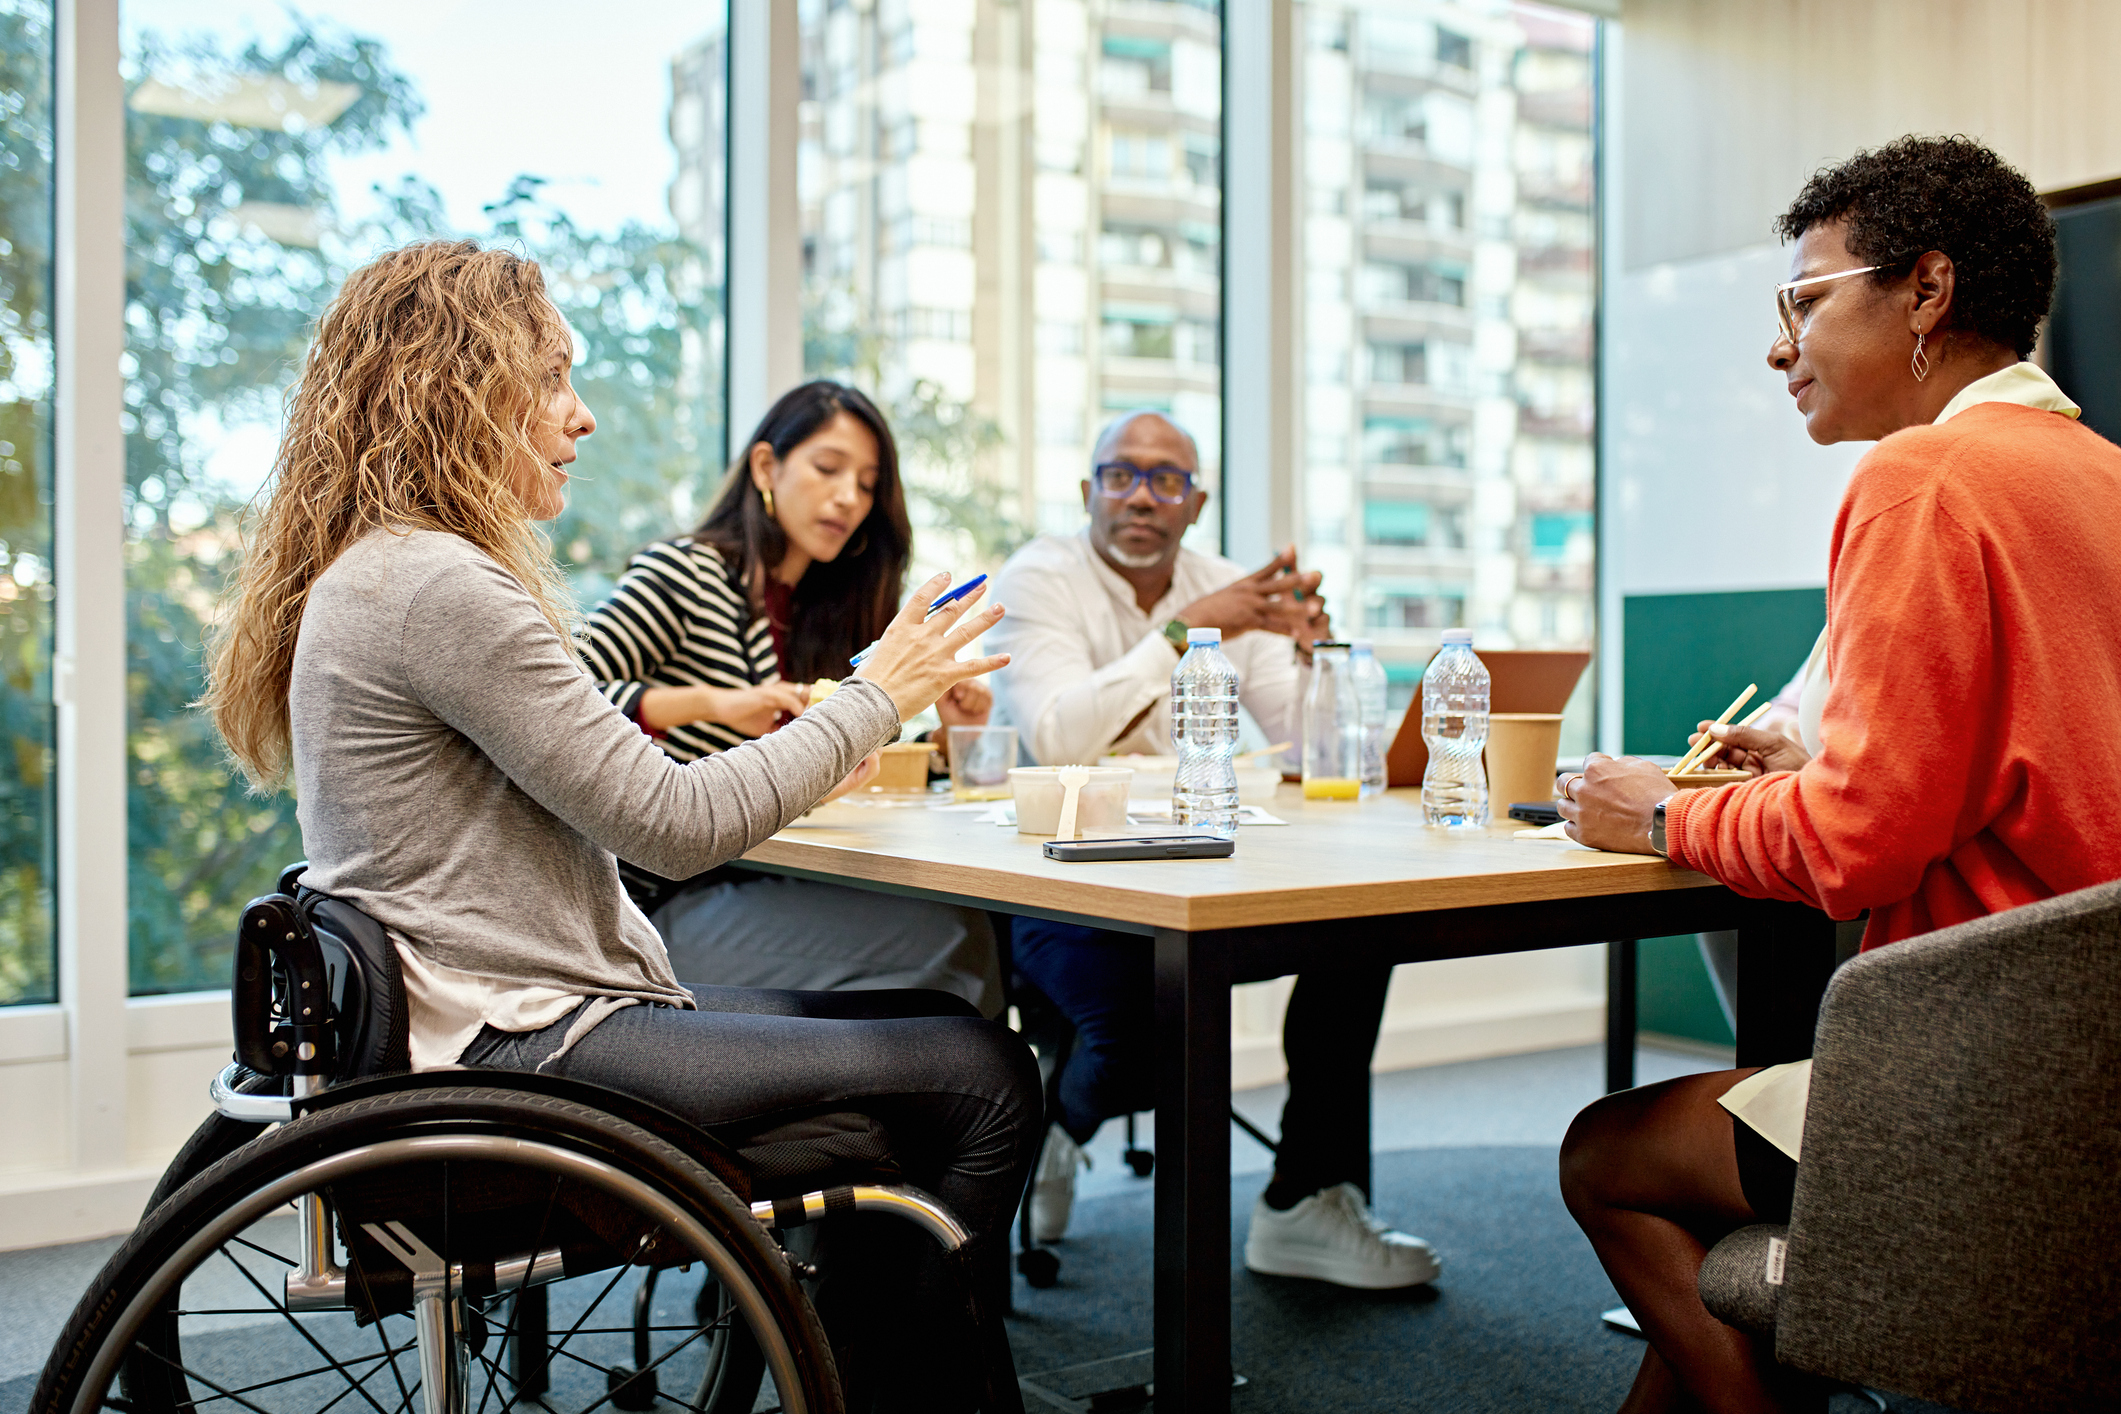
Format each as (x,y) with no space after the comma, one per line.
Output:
(822,689)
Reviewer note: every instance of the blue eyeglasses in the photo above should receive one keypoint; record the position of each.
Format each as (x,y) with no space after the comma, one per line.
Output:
(1168,484)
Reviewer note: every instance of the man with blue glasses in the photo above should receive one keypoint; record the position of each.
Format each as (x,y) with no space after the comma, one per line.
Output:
(1096,623)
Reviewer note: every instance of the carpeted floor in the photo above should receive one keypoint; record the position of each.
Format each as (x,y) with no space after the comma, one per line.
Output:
(1512,1324)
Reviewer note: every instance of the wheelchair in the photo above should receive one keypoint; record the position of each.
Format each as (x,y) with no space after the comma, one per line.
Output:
(346,1235)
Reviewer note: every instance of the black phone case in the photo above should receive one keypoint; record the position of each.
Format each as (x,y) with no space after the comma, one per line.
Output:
(1154,847)
(1535,812)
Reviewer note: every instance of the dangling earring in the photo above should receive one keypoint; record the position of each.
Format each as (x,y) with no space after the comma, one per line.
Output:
(766,493)
(1921,361)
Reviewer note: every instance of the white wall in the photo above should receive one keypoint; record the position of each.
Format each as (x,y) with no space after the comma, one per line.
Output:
(173,1046)
(1711,481)
(1730,104)
(1439,1012)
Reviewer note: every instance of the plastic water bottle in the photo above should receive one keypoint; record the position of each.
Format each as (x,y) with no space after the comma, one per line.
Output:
(1370,694)
(1204,729)
(1454,722)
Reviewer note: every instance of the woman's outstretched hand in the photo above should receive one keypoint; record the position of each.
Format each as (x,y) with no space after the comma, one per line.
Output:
(916,661)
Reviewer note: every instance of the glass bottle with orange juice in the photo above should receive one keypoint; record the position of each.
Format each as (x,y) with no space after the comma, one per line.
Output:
(1332,726)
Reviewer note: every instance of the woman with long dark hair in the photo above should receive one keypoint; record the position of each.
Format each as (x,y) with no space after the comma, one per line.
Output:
(713,639)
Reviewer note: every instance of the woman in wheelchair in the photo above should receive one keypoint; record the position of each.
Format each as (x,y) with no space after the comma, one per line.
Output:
(396,642)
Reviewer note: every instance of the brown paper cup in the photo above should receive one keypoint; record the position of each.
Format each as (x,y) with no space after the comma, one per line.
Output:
(1521,751)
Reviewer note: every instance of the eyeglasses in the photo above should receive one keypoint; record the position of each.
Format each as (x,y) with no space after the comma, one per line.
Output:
(1786,300)
(1169,484)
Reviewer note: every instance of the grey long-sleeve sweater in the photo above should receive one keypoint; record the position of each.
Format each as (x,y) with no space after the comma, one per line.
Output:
(460,778)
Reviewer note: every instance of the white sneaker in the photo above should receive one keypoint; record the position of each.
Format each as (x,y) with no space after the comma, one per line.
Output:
(1053,1186)
(1331,1236)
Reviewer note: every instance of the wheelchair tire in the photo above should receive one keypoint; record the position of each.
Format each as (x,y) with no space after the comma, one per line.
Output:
(212,1142)
(181,1312)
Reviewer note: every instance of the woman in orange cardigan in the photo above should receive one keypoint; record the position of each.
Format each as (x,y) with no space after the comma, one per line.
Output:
(1966,750)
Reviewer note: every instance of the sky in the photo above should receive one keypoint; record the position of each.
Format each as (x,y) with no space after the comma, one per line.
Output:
(571,92)
(574,93)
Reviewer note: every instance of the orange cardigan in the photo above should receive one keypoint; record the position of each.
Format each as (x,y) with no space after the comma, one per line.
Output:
(1971,743)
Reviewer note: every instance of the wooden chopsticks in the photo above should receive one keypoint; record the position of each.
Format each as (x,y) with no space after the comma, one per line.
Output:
(1701,762)
(1700,749)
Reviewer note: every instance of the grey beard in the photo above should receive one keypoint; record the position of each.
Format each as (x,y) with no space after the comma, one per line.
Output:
(1133,562)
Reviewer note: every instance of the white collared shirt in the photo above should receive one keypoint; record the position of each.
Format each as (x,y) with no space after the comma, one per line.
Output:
(2025,384)
(1085,659)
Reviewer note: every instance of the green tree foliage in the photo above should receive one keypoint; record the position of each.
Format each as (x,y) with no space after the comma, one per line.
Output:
(26,796)
(218,313)
(649,370)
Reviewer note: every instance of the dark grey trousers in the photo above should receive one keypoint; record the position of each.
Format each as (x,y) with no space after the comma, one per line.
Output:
(958,1096)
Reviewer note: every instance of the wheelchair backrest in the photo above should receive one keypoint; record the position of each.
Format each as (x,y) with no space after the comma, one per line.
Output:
(369,990)
(317,990)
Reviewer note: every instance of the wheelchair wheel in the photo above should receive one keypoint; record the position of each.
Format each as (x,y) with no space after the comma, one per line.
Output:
(443,1206)
(212,1142)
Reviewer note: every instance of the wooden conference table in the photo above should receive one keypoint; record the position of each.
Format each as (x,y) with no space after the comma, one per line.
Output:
(1346,883)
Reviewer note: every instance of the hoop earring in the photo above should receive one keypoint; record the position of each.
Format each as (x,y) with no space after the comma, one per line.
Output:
(1920,363)
(860,545)
(766,494)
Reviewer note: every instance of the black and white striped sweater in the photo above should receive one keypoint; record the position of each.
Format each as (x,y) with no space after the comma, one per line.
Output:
(678,618)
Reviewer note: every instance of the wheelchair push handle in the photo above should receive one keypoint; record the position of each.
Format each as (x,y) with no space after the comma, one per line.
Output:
(280,1030)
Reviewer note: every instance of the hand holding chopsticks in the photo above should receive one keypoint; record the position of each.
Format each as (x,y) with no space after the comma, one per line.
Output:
(1701,762)
(1700,748)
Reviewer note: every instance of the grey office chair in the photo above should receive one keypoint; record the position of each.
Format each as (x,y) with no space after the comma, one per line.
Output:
(1957,1219)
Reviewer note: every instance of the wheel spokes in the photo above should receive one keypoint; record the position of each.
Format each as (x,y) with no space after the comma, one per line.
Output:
(302,1330)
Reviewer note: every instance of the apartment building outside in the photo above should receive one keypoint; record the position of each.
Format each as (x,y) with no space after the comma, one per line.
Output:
(1011,215)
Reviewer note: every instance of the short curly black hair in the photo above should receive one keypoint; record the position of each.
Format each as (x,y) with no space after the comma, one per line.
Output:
(1951,194)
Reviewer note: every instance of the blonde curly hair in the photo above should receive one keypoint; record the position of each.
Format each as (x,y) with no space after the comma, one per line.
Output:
(419,394)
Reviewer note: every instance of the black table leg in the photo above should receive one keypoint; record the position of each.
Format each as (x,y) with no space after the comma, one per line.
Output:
(1192,1174)
(1620,1027)
(1785,956)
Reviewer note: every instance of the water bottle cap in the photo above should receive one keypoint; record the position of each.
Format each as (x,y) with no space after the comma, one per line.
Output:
(1203,635)
(1458,635)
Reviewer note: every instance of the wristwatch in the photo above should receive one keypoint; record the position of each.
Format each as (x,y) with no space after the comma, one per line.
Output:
(1657,840)
(1175,634)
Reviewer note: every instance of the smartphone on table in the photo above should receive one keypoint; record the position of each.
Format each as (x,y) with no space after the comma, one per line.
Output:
(1144,847)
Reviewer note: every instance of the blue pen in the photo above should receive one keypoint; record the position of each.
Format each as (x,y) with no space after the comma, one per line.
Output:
(948,599)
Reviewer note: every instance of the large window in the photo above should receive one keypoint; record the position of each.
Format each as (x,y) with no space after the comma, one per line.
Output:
(1012,230)
(26,785)
(1448,314)
(269,152)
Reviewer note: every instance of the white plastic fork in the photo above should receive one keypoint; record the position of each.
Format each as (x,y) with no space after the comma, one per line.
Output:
(1072,780)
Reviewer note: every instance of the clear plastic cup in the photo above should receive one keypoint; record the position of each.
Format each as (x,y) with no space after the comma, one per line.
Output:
(980,758)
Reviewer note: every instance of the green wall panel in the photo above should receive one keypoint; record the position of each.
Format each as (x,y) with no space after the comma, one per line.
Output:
(1673,993)
(1687,656)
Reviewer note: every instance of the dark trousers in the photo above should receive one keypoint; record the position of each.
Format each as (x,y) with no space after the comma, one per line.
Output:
(959,1099)
(1101,982)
